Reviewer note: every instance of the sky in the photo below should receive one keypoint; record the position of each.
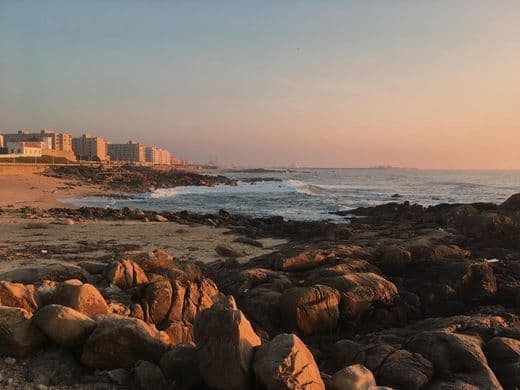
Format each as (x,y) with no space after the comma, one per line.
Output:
(425,84)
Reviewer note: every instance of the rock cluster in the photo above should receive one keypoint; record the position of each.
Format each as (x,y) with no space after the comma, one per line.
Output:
(133,179)
(411,298)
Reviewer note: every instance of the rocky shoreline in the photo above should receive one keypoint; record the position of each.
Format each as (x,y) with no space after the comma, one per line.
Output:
(135,179)
(402,296)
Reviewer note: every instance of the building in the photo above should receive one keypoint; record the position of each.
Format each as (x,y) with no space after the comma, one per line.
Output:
(177,161)
(26,149)
(50,140)
(129,152)
(1,141)
(156,156)
(90,148)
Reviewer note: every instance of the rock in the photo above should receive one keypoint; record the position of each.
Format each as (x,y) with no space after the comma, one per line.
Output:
(391,366)
(405,370)
(178,332)
(225,344)
(149,376)
(310,309)
(52,368)
(160,218)
(227,251)
(126,274)
(305,260)
(286,363)
(119,342)
(93,267)
(249,241)
(356,377)
(57,272)
(189,298)
(157,300)
(504,358)
(64,325)
(360,291)
(455,354)
(120,376)
(84,298)
(10,361)
(396,257)
(18,336)
(152,261)
(19,295)
(181,365)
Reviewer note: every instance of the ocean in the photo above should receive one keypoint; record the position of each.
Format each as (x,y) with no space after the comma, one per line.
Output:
(313,194)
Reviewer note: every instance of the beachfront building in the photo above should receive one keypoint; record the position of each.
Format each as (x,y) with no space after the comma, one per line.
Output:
(177,161)
(26,149)
(129,152)
(49,139)
(154,155)
(90,148)
(1,141)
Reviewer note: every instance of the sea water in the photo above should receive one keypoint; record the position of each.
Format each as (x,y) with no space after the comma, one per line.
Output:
(315,194)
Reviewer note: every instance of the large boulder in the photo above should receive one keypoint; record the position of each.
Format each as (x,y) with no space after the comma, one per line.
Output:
(190,298)
(157,300)
(454,354)
(361,291)
(18,335)
(19,295)
(119,342)
(84,298)
(181,365)
(149,261)
(286,363)
(225,345)
(391,366)
(504,358)
(126,274)
(356,377)
(64,325)
(310,309)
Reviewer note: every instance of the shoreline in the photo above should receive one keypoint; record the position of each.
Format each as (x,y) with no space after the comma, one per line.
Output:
(382,291)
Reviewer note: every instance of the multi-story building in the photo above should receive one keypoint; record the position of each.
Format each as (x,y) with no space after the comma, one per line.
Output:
(29,149)
(90,148)
(177,161)
(51,140)
(131,152)
(1,141)
(156,155)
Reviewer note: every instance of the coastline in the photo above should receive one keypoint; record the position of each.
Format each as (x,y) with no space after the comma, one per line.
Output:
(375,291)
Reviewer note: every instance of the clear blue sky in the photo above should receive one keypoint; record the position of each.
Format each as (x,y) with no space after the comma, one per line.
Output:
(322,83)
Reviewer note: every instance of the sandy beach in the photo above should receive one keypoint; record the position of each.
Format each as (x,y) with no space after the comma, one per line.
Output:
(33,189)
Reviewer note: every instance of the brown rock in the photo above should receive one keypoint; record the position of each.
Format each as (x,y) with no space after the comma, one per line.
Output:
(227,251)
(157,300)
(84,298)
(305,260)
(356,377)
(149,376)
(455,354)
(181,365)
(286,363)
(126,274)
(360,291)
(310,309)
(225,345)
(18,335)
(56,272)
(119,342)
(63,325)
(19,295)
(504,358)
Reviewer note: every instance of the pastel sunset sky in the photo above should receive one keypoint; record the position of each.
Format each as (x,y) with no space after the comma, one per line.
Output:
(429,84)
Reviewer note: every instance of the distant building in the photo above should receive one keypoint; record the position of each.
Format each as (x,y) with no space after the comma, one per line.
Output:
(1,141)
(156,155)
(130,152)
(177,161)
(29,149)
(90,148)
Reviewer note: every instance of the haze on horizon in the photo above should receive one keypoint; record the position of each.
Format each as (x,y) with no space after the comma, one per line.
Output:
(345,84)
